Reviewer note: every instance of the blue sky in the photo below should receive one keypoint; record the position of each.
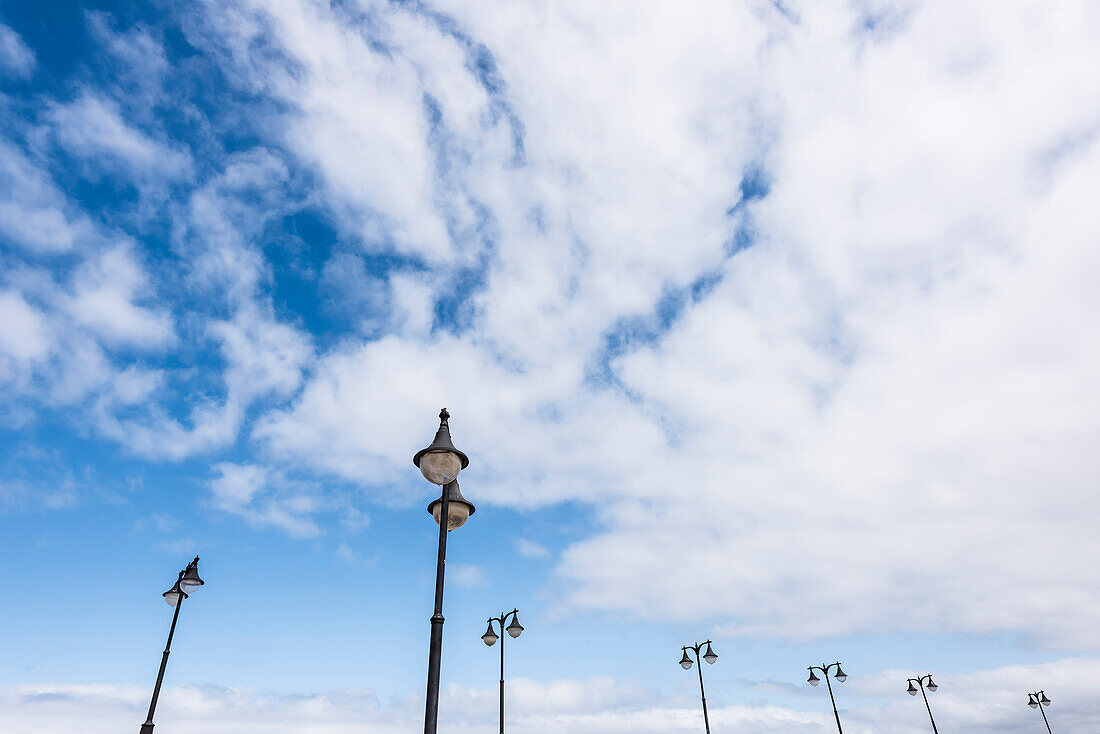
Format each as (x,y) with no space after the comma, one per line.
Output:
(765,322)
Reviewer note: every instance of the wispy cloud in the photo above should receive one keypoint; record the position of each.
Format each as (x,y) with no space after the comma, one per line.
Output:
(531,549)
(16,59)
(467,576)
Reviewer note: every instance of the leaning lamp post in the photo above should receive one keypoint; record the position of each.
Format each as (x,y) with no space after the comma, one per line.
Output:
(685,662)
(515,629)
(1039,700)
(931,686)
(813,680)
(187,583)
(440,464)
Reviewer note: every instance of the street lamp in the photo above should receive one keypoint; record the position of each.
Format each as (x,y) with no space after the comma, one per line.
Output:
(440,464)
(515,629)
(187,584)
(685,662)
(1034,699)
(931,685)
(813,680)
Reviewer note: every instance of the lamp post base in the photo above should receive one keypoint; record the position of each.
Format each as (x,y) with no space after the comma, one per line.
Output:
(146,729)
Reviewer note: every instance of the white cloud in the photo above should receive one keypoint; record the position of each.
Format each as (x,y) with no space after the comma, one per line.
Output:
(237,485)
(264,499)
(16,59)
(179,547)
(346,554)
(23,330)
(880,397)
(105,291)
(531,549)
(467,576)
(263,355)
(32,209)
(93,128)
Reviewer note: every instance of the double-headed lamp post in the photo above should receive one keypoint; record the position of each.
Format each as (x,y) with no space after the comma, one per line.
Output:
(930,685)
(440,464)
(515,629)
(1039,700)
(685,662)
(187,583)
(813,680)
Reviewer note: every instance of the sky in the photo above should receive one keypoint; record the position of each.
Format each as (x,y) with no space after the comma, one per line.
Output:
(770,323)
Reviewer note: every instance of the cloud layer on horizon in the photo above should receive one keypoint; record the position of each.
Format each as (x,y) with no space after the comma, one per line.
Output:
(985,702)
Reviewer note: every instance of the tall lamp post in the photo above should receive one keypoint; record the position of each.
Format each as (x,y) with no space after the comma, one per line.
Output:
(187,583)
(813,680)
(1034,700)
(931,685)
(440,464)
(515,629)
(685,662)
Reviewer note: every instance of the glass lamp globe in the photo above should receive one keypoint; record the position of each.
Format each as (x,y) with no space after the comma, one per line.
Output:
(172,596)
(440,467)
(457,513)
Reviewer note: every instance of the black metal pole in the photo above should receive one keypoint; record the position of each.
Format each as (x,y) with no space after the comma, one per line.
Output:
(1044,713)
(925,695)
(835,712)
(502,636)
(435,649)
(702,693)
(147,727)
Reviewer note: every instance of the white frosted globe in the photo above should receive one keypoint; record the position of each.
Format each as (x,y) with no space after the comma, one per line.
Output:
(172,598)
(458,513)
(440,467)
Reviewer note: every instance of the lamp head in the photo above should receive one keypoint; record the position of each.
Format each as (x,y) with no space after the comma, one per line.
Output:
(813,680)
(912,689)
(685,661)
(490,636)
(441,462)
(710,656)
(459,508)
(840,674)
(191,582)
(515,629)
(1044,700)
(932,685)
(1032,701)
(173,596)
